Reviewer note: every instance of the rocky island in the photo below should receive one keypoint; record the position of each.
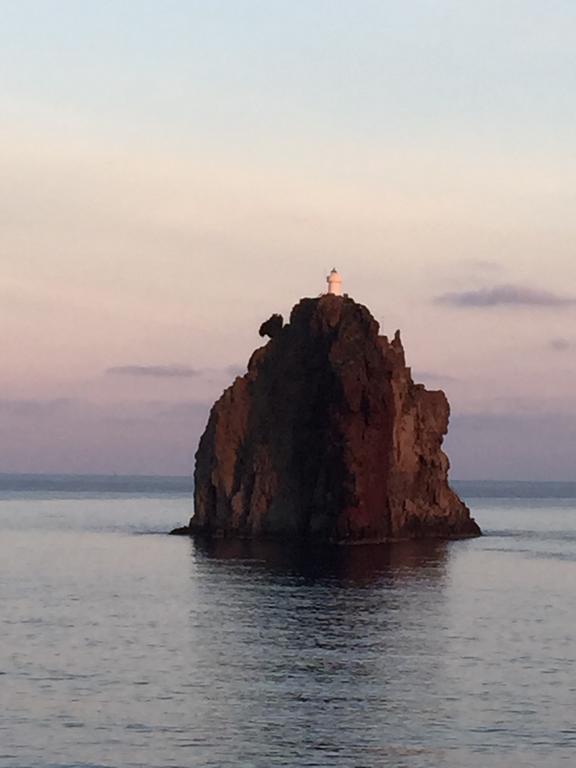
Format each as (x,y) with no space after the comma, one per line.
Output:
(327,438)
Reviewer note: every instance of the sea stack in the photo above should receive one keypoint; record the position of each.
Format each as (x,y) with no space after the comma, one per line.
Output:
(327,438)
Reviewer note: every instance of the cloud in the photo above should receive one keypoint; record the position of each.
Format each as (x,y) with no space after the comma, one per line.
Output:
(505,295)
(34,407)
(512,445)
(193,408)
(431,376)
(482,265)
(154,371)
(86,437)
(560,344)
(235,370)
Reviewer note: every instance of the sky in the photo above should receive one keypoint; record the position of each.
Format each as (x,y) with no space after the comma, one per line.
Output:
(174,171)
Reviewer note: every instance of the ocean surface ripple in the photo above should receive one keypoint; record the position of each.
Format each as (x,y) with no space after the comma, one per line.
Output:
(124,647)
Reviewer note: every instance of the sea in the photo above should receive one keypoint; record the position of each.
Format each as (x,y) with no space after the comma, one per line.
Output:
(123,647)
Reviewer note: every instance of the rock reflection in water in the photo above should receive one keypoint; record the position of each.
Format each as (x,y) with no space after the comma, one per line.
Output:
(326,653)
(363,564)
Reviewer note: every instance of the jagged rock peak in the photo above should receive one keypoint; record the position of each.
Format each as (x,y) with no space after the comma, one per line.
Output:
(327,437)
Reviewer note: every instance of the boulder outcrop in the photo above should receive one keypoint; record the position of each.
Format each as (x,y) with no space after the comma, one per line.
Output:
(272,326)
(327,437)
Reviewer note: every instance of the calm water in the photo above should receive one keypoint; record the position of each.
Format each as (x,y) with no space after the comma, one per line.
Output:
(124,647)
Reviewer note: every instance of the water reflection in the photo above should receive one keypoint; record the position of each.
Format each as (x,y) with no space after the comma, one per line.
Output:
(124,650)
(319,654)
(359,565)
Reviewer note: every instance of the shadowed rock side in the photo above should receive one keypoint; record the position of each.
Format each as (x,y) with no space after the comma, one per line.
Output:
(327,437)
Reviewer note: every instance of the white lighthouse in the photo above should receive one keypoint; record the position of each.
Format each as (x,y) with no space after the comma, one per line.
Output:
(334,283)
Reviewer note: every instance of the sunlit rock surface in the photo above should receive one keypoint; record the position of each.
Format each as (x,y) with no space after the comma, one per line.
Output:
(327,437)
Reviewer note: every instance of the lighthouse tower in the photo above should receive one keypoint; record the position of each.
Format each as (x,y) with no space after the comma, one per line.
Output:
(334,283)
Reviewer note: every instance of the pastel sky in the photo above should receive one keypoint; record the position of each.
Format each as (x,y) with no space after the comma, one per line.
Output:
(174,171)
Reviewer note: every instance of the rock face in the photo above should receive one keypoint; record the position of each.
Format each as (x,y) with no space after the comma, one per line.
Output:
(327,437)
(272,326)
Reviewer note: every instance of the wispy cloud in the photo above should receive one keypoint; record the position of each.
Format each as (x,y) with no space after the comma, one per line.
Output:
(560,344)
(34,407)
(505,296)
(482,265)
(431,376)
(235,370)
(85,437)
(520,445)
(154,371)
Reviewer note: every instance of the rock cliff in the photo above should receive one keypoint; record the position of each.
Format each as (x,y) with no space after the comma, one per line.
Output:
(327,437)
